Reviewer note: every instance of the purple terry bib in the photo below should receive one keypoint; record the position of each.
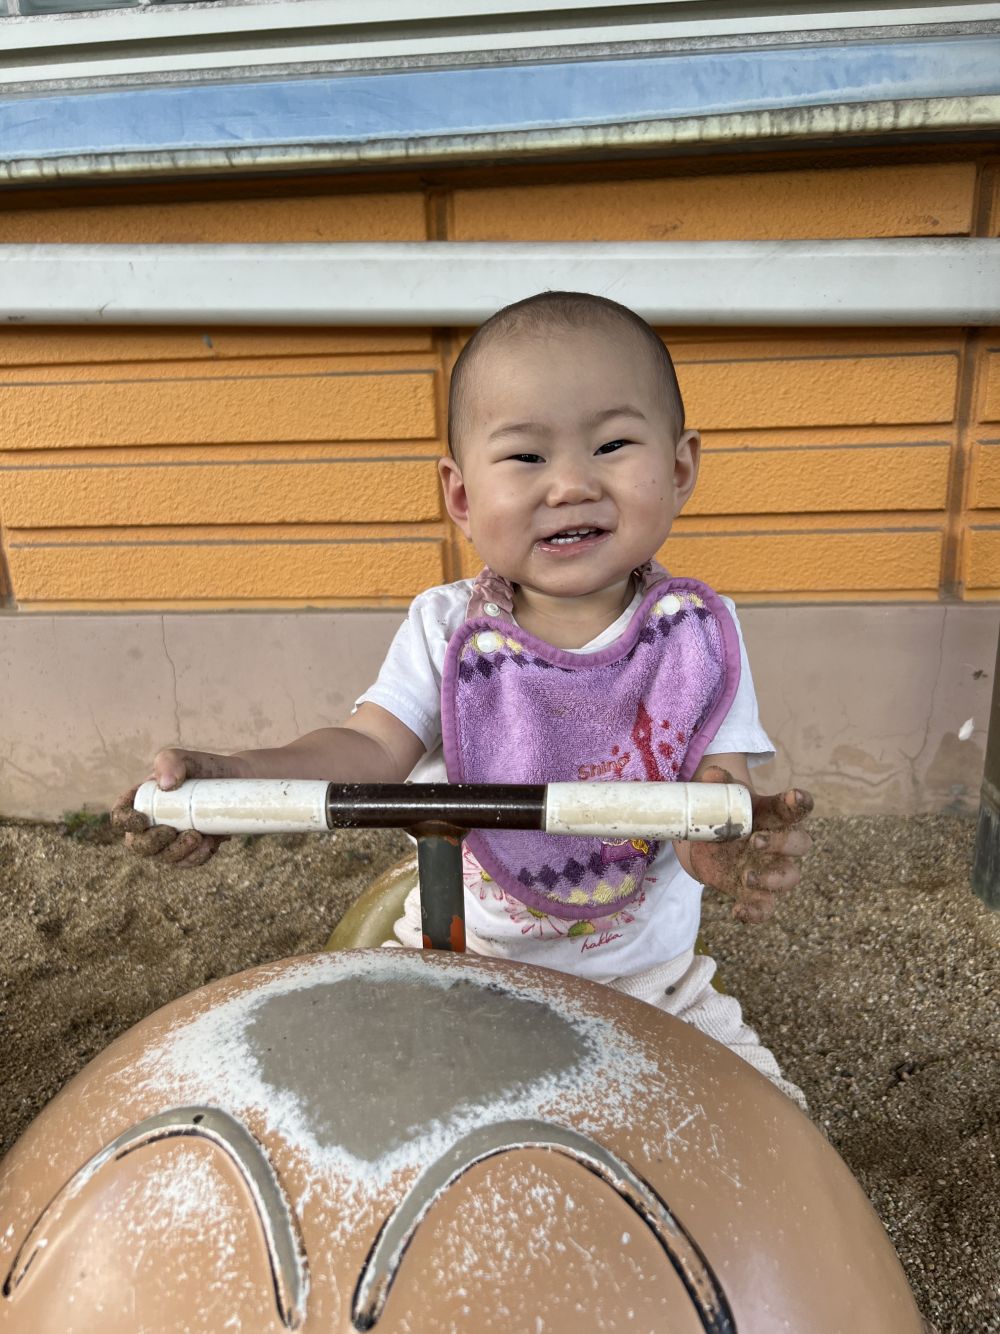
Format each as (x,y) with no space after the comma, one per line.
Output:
(517,710)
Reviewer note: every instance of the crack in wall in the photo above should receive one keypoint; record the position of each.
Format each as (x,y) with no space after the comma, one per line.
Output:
(914,759)
(291,703)
(25,773)
(173,672)
(100,734)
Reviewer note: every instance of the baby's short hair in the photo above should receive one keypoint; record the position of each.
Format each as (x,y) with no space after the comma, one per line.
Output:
(557,310)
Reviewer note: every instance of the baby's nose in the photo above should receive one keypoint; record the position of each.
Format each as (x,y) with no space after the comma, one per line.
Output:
(572,483)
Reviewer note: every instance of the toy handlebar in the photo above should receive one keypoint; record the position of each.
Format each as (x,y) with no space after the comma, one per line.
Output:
(436,814)
(703,811)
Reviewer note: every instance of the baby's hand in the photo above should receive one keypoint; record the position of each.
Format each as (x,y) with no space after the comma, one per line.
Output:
(171,768)
(766,863)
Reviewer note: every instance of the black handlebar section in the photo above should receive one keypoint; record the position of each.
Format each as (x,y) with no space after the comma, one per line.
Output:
(461,805)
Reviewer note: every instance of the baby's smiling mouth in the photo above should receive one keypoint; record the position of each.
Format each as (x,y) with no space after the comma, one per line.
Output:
(569,536)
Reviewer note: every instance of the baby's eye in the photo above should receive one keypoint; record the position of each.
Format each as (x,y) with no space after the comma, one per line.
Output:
(611,446)
(525,458)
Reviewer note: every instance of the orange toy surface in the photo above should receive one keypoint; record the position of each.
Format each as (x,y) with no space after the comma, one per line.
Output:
(426,1142)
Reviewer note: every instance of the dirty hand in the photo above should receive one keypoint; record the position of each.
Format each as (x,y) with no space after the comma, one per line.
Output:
(755,869)
(172,767)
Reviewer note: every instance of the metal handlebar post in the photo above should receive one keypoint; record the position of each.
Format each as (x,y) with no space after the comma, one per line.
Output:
(439,863)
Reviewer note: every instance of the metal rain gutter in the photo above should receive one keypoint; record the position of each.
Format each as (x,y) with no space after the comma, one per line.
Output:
(825,283)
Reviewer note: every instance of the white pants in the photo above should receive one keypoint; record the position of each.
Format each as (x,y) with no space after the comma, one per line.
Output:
(682,987)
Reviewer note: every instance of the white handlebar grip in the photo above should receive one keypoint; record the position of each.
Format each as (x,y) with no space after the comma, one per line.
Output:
(238,805)
(704,811)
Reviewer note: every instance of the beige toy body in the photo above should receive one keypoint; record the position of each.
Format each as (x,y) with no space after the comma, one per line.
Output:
(427,1142)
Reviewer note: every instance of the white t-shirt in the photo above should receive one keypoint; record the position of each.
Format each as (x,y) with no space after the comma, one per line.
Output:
(656,927)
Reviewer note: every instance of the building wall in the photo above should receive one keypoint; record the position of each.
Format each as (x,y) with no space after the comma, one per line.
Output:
(187,471)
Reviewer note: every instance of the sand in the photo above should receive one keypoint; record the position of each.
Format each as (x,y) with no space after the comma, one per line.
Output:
(876,984)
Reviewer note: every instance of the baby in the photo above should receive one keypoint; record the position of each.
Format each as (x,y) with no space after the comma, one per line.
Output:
(573,655)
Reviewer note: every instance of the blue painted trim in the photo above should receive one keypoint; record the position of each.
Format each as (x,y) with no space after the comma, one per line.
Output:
(357,109)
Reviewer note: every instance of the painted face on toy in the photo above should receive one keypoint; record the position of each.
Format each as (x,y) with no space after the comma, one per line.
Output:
(398,1140)
(571,468)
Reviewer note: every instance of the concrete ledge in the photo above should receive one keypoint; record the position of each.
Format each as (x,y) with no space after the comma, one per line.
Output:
(864,703)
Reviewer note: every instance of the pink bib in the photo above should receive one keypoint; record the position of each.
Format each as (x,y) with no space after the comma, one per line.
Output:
(518,710)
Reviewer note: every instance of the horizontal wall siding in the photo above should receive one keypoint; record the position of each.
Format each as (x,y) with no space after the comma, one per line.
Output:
(166,468)
(918,200)
(826,464)
(816,480)
(77,349)
(252,492)
(829,562)
(875,512)
(265,467)
(257,402)
(808,382)
(353,217)
(208,572)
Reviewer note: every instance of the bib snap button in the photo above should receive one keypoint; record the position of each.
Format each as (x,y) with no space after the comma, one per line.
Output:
(491,609)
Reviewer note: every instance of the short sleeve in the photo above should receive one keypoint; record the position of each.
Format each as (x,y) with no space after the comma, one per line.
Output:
(409,682)
(740,732)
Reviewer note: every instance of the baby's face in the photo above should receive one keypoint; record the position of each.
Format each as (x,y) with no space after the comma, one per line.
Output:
(570,467)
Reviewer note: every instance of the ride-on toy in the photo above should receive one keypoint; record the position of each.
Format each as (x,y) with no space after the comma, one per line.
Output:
(424,1141)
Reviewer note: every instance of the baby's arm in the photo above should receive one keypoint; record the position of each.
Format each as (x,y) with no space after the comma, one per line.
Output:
(373,746)
(754,869)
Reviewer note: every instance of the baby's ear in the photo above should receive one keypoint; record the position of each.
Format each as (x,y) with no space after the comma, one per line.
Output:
(687,458)
(456,498)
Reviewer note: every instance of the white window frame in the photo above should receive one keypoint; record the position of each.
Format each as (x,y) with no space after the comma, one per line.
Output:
(167,39)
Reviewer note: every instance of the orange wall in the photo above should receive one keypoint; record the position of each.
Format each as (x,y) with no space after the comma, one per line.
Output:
(220,467)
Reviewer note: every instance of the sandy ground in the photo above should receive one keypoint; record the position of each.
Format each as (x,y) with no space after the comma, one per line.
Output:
(877,986)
